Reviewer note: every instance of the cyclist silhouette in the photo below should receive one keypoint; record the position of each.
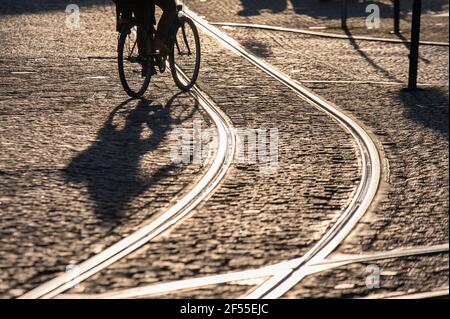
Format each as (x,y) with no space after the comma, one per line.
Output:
(145,11)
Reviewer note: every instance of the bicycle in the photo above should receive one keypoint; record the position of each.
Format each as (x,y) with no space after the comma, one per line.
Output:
(138,61)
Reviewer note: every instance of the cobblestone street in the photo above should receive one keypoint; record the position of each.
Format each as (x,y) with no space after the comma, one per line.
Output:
(83,166)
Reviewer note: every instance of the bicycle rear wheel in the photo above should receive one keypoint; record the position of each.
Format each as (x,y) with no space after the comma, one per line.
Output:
(185,54)
(134,69)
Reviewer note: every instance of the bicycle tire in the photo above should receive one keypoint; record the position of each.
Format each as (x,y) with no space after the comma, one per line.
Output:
(185,83)
(134,93)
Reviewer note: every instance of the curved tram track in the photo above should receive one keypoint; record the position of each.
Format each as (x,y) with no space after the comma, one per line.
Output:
(200,192)
(370,164)
(281,281)
(325,34)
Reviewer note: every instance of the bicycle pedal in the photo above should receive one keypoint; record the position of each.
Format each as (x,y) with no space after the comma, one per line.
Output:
(161,64)
(162,68)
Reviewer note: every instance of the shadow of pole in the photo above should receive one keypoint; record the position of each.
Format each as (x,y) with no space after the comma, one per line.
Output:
(429,107)
(331,9)
(363,54)
(323,9)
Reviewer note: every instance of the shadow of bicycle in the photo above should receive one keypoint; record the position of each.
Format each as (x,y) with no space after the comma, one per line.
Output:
(111,167)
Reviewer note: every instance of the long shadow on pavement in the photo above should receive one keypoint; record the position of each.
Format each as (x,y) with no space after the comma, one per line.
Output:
(429,107)
(15,7)
(325,9)
(110,168)
(331,9)
(369,60)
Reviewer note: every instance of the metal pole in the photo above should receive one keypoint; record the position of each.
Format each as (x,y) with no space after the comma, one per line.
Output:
(344,14)
(397,16)
(414,50)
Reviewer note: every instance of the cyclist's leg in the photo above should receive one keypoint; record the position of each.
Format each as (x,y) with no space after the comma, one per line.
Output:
(124,14)
(169,8)
(144,13)
(144,16)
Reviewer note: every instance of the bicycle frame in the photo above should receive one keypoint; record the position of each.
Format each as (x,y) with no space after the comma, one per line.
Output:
(131,14)
(125,15)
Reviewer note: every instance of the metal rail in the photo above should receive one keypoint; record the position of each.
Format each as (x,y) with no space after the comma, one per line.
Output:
(275,280)
(200,192)
(370,164)
(325,34)
(259,275)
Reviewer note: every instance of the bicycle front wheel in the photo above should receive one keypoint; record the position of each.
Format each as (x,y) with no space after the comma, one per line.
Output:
(134,69)
(185,54)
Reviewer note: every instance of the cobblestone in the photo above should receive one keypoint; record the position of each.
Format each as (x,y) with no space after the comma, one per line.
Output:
(253,219)
(411,129)
(377,279)
(81,166)
(325,15)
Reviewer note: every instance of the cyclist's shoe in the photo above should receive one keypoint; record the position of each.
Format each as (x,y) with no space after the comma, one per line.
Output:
(161,62)
(161,47)
(153,71)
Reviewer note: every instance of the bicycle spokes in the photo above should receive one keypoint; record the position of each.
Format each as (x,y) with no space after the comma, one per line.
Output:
(187,46)
(186,49)
(131,43)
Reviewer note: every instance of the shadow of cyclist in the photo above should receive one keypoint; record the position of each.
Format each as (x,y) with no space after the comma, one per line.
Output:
(110,168)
